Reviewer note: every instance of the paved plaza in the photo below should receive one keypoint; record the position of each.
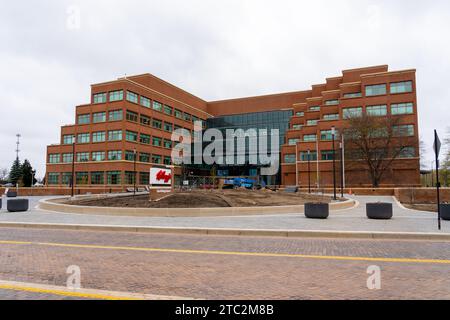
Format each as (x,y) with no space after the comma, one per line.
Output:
(346,220)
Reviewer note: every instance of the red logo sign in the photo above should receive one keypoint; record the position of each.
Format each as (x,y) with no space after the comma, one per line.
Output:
(163,176)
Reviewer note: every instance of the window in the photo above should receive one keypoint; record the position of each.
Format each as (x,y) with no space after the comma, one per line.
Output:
(54,158)
(68,139)
(297,126)
(352,112)
(116,96)
(66,178)
(157,106)
(82,177)
(132,116)
(167,144)
(132,97)
(401,87)
(129,155)
(114,155)
(156,159)
(130,177)
(168,127)
(194,118)
(145,121)
(375,90)
(327,135)
(403,131)
(115,135)
(332,102)
(314,108)
(53,178)
(131,136)
(114,177)
(145,102)
(300,114)
(99,136)
(186,117)
(178,114)
(156,142)
(289,158)
(100,97)
(167,161)
(144,157)
(402,108)
(353,95)
(168,110)
(144,138)
(67,157)
(97,177)
(83,157)
(408,152)
(293,142)
(115,115)
(312,122)
(98,156)
(327,155)
(377,111)
(144,178)
(83,138)
(84,119)
(330,117)
(157,124)
(304,156)
(99,117)
(309,137)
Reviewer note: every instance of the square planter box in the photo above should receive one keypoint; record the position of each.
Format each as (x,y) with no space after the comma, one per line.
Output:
(445,212)
(11,194)
(379,211)
(18,205)
(317,210)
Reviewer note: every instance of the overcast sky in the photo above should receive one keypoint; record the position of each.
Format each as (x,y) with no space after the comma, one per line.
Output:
(213,49)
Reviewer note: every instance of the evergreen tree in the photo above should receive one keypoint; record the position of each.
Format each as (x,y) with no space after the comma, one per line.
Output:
(28,174)
(15,174)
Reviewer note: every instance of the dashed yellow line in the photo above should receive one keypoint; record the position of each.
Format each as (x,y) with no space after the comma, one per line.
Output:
(64,293)
(232,253)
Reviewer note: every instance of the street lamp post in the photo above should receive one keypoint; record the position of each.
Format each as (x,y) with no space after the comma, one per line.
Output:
(309,171)
(342,168)
(134,172)
(333,133)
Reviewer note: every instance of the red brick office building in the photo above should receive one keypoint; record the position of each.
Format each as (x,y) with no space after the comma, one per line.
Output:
(139,113)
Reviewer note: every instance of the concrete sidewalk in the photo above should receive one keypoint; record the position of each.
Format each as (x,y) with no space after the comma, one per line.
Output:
(352,220)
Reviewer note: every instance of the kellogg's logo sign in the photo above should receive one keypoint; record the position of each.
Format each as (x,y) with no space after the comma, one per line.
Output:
(160,176)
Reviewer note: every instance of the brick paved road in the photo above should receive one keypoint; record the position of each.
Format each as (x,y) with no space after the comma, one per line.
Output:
(224,267)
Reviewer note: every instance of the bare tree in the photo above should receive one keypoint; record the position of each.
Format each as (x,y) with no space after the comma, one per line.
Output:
(4,173)
(374,143)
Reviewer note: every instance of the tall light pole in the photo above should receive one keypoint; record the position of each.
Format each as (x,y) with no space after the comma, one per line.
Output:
(309,171)
(73,168)
(333,133)
(296,164)
(134,180)
(342,168)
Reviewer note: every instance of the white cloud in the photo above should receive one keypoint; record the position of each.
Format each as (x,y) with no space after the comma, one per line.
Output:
(214,49)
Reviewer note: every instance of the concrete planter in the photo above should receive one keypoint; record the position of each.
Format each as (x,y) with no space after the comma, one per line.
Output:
(0,204)
(445,212)
(317,210)
(18,205)
(380,211)
(11,194)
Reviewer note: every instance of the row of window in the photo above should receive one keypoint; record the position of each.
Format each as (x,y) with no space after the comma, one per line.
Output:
(145,102)
(377,110)
(113,155)
(327,155)
(98,178)
(395,88)
(117,135)
(326,135)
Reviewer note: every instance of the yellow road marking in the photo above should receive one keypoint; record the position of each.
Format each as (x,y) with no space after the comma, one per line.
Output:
(62,292)
(232,253)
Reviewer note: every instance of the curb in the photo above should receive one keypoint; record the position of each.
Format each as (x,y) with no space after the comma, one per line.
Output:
(239,232)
